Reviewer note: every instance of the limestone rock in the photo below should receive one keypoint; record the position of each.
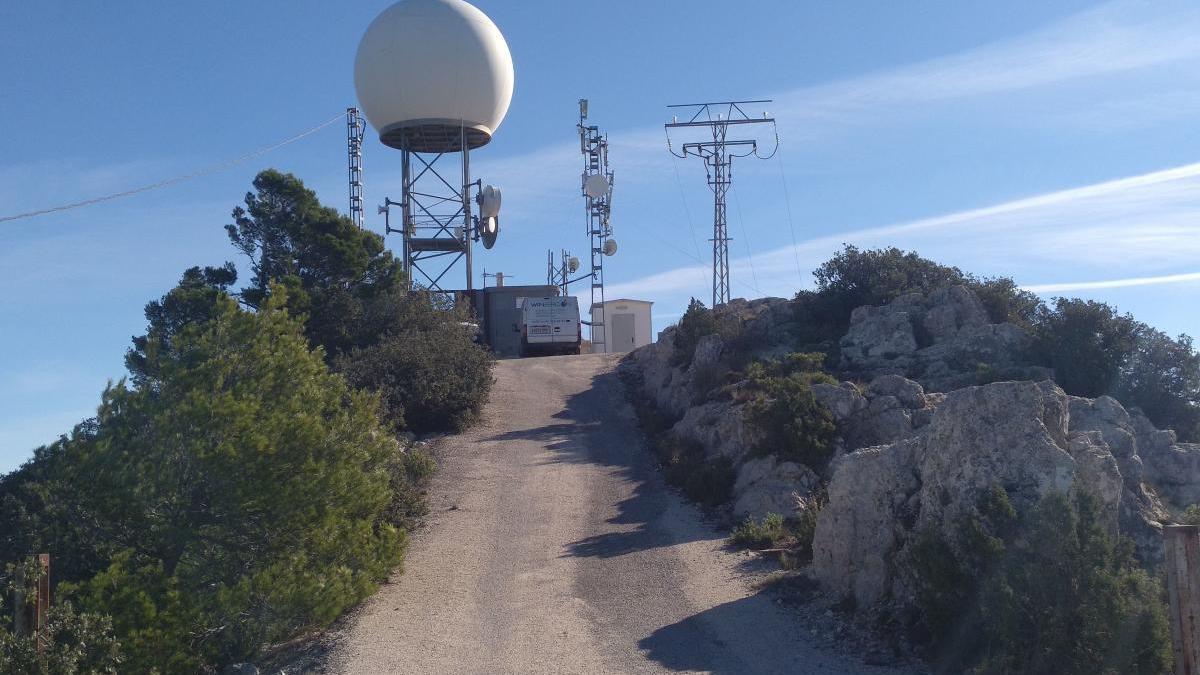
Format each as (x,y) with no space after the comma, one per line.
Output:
(766,485)
(1012,434)
(942,340)
(865,520)
(910,394)
(718,426)
(843,400)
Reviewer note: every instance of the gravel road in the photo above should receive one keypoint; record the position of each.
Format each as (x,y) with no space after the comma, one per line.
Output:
(554,547)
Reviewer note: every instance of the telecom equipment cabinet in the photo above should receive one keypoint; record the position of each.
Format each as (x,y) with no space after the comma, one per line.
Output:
(626,325)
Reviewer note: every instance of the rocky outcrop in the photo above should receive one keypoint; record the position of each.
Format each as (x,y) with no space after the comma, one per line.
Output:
(766,485)
(942,340)
(1029,438)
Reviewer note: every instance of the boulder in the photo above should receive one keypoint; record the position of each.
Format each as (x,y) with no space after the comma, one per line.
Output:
(843,400)
(879,337)
(766,485)
(872,498)
(718,426)
(910,394)
(949,311)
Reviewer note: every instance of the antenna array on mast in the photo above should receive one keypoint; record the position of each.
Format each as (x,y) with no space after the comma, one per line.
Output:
(356,126)
(718,155)
(596,186)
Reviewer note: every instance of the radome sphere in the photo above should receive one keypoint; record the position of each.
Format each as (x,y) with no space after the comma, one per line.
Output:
(429,71)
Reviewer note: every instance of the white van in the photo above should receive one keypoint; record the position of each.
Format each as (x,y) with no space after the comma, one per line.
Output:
(550,326)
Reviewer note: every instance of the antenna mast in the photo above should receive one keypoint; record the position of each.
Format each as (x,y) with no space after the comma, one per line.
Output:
(718,155)
(596,188)
(356,126)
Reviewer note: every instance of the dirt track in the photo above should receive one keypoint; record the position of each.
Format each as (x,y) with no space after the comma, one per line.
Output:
(553,547)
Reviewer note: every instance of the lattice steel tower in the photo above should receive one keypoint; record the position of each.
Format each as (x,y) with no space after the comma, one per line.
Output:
(356,126)
(718,164)
(596,187)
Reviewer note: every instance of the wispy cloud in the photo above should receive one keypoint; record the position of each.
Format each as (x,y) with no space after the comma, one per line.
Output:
(1116,37)
(1186,277)
(1146,221)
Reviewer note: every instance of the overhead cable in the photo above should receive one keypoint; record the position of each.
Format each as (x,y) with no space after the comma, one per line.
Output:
(215,168)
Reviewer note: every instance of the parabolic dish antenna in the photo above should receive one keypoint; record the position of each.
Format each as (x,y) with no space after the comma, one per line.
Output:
(595,186)
(489,214)
(610,246)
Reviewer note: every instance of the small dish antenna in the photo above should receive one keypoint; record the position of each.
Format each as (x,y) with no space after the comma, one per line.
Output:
(595,186)
(610,246)
(573,264)
(489,214)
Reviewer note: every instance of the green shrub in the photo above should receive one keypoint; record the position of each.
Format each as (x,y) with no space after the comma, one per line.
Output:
(1162,378)
(697,322)
(1004,301)
(804,525)
(1191,516)
(785,417)
(72,642)
(756,535)
(1049,591)
(409,474)
(428,380)
(1086,343)
(685,465)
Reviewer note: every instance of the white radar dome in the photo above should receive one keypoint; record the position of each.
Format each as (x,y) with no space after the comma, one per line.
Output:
(429,72)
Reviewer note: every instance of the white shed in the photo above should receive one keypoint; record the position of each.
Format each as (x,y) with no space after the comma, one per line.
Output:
(627,321)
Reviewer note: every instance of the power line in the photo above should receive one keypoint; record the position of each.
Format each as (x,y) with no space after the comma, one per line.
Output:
(686,210)
(215,168)
(746,238)
(791,226)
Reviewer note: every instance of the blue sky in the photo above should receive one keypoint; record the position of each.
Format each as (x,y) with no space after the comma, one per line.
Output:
(1051,141)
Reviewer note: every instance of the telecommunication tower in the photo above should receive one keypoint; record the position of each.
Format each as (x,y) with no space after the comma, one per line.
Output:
(356,127)
(435,79)
(596,187)
(559,273)
(718,155)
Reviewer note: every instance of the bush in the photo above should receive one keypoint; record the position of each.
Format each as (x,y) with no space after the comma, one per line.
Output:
(72,642)
(427,380)
(1191,516)
(1054,594)
(1005,301)
(785,417)
(757,535)
(1162,378)
(697,322)
(1086,343)
(409,474)
(684,464)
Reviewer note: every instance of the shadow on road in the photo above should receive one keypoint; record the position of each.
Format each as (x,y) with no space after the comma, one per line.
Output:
(691,645)
(598,428)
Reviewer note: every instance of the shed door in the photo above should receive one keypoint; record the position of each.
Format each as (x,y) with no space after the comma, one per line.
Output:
(622,333)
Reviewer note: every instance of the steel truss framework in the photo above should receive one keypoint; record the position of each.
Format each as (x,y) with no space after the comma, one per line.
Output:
(559,273)
(718,155)
(594,147)
(356,127)
(436,221)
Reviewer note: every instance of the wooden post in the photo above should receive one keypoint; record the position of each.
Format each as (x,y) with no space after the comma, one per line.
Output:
(30,613)
(1182,546)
